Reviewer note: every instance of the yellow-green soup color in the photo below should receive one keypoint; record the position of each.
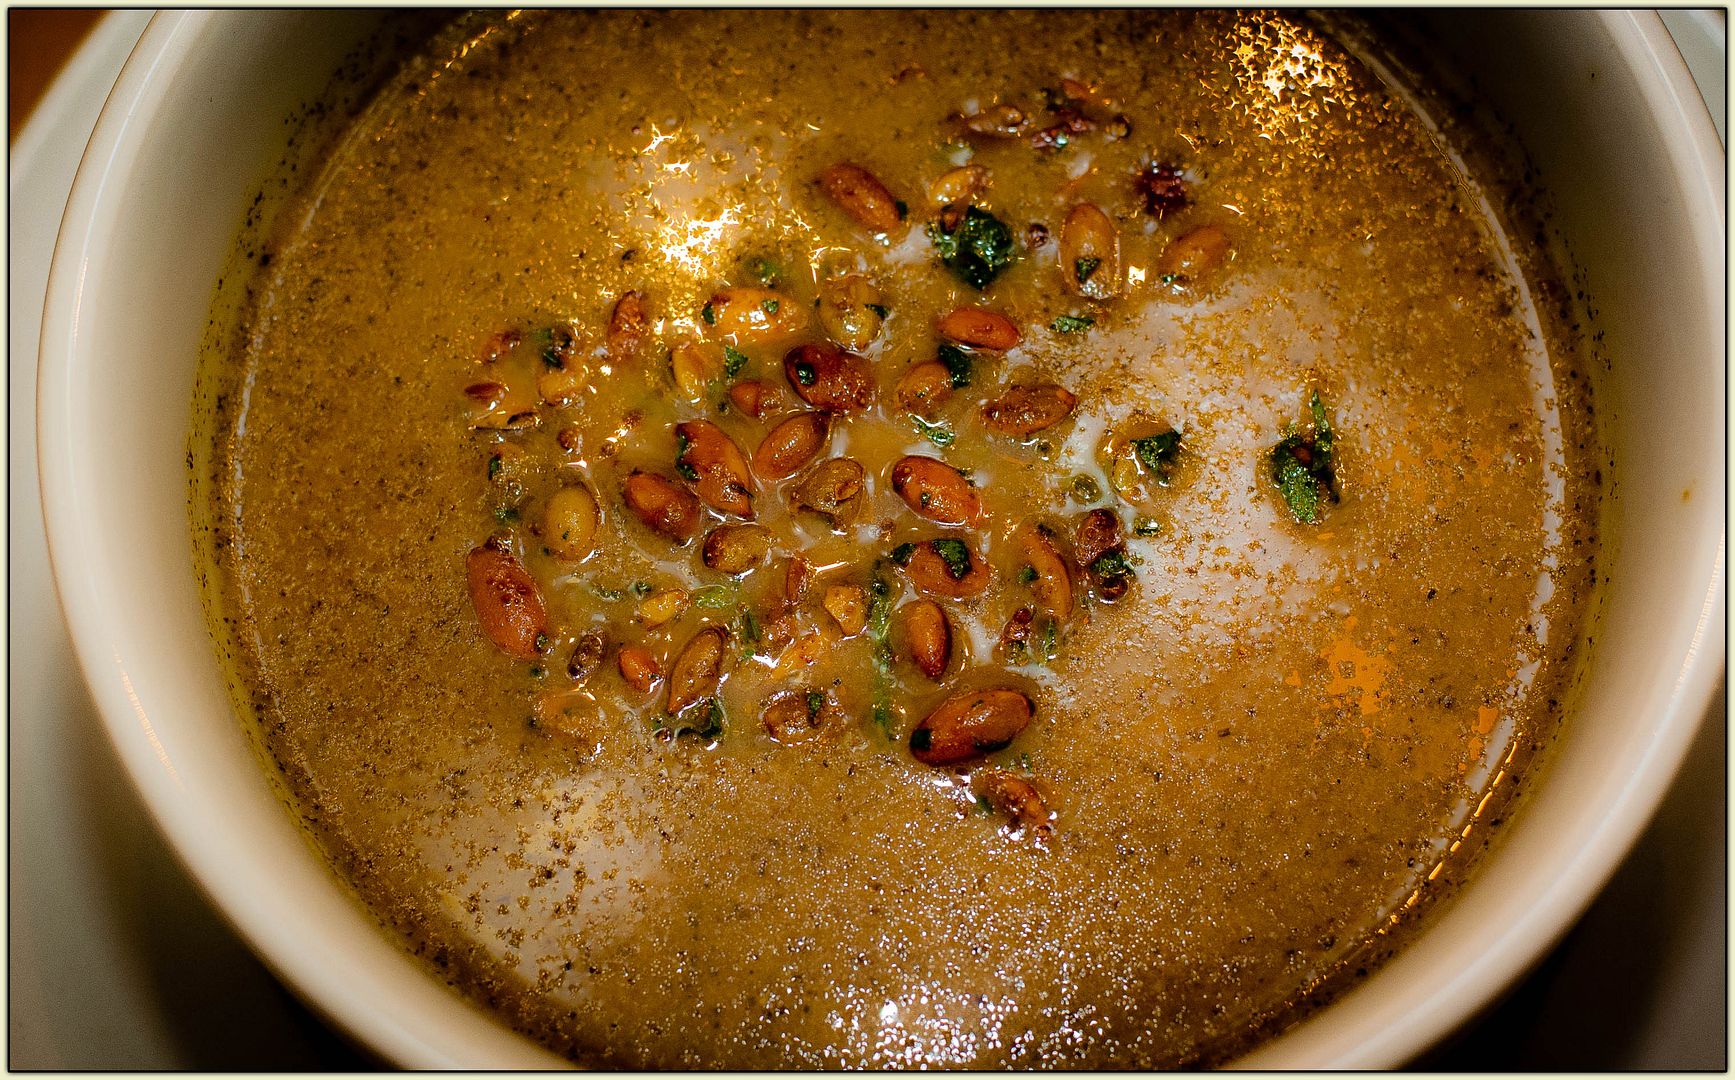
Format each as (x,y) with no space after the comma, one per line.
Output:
(1268,713)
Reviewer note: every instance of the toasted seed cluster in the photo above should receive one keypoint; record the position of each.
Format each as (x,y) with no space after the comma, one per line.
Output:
(828,366)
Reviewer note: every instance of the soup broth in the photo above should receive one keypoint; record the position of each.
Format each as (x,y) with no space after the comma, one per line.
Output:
(883,538)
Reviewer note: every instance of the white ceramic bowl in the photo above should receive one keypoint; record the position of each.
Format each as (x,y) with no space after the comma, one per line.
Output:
(1601,100)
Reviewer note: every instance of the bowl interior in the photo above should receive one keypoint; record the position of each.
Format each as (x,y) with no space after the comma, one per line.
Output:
(1637,178)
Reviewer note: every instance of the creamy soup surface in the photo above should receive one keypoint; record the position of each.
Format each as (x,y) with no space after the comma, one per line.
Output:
(1173,544)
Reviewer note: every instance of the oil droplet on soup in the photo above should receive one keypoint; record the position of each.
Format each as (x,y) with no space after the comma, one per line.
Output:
(884,538)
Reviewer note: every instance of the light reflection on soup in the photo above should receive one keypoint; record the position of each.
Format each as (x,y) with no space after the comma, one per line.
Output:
(876,538)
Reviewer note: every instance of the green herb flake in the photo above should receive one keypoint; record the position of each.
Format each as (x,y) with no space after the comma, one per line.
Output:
(537,671)
(709,314)
(505,515)
(977,251)
(1050,636)
(606,593)
(733,361)
(879,620)
(1296,482)
(1323,436)
(1158,453)
(957,556)
(958,364)
(642,589)
(1303,469)
(1082,269)
(879,630)
(1071,324)
(688,473)
(556,343)
(494,466)
(805,373)
(748,629)
(1111,565)
(769,306)
(542,642)
(983,805)
(714,597)
(901,554)
(1026,574)
(815,702)
(938,434)
(767,271)
(703,719)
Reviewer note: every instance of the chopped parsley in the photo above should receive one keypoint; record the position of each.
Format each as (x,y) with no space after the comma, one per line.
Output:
(769,306)
(1026,574)
(605,592)
(1111,565)
(494,465)
(748,629)
(642,589)
(1082,269)
(505,515)
(957,556)
(879,620)
(901,554)
(733,361)
(879,628)
(557,343)
(957,363)
(1157,453)
(1071,324)
(542,642)
(709,314)
(688,473)
(715,596)
(938,434)
(805,373)
(703,719)
(977,250)
(1302,467)
(815,702)
(766,270)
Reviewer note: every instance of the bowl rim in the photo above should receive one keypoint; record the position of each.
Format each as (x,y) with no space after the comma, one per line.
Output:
(1651,55)
(438,1030)
(394,1031)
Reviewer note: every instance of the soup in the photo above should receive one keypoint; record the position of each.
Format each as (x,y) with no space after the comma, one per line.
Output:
(886,538)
